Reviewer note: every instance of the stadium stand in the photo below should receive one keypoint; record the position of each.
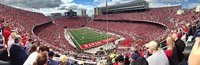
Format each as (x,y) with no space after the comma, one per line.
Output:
(137,27)
(125,28)
(158,15)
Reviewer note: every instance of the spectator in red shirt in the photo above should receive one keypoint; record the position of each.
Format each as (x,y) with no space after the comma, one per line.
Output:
(185,28)
(6,31)
(24,39)
(116,62)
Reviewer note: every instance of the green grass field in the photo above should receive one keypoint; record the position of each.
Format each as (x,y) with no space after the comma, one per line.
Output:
(86,35)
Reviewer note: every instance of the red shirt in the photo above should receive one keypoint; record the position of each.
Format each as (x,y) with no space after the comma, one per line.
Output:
(179,35)
(168,53)
(6,33)
(185,29)
(116,63)
(24,39)
(142,54)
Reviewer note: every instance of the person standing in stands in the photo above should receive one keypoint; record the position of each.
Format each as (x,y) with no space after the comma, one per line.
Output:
(177,56)
(116,61)
(43,50)
(4,53)
(157,54)
(113,56)
(17,54)
(197,29)
(120,60)
(50,59)
(63,59)
(6,31)
(41,60)
(191,29)
(138,59)
(126,61)
(109,61)
(24,39)
(11,40)
(28,44)
(32,49)
(170,45)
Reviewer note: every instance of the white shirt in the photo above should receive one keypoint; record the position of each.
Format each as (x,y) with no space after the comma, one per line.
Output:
(10,42)
(31,59)
(28,45)
(158,58)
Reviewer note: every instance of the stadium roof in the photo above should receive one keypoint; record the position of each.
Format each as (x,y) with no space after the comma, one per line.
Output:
(125,4)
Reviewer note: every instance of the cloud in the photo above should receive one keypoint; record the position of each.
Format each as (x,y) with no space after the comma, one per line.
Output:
(152,5)
(192,5)
(52,6)
(111,2)
(34,3)
(66,1)
(173,1)
(67,6)
(77,7)
(121,0)
(163,3)
(71,6)
(99,1)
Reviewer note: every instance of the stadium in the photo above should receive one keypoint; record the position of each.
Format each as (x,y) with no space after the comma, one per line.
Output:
(118,31)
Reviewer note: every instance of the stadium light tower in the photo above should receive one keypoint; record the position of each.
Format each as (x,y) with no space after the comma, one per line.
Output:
(107,17)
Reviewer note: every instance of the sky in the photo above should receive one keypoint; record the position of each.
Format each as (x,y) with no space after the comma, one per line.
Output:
(53,6)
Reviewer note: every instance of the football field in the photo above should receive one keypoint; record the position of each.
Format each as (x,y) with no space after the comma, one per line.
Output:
(83,36)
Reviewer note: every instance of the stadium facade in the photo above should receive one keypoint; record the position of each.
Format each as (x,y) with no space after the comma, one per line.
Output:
(122,7)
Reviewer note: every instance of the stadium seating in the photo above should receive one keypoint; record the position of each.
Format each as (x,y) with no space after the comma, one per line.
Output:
(22,20)
(56,38)
(45,29)
(158,15)
(53,37)
(70,22)
(141,30)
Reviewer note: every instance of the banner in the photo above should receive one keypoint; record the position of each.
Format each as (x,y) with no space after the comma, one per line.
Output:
(93,44)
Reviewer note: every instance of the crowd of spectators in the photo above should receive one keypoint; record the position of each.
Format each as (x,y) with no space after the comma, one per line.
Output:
(183,30)
(33,39)
(16,22)
(157,15)
(141,30)
(15,52)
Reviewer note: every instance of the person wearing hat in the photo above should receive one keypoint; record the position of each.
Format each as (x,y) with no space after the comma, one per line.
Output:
(63,59)
(17,54)
(82,63)
(120,59)
(126,60)
(157,54)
